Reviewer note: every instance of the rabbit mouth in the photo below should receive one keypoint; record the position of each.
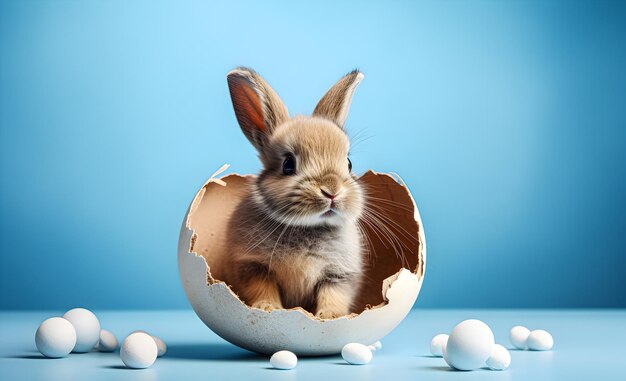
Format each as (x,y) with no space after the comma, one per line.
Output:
(329,213)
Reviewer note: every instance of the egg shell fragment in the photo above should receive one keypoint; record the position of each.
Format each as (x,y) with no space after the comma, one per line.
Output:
(55,337)
(469,345)
(518,336)
(540,340)
(356,354)
(138,351)
(108,342)
(437,344)
(394,288)
(87,328)
(284,360)
(500,358)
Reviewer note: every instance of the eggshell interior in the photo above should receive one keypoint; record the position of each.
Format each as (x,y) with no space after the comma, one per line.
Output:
(394,273)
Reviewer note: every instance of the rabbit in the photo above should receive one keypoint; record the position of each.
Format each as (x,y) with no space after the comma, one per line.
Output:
(294,240)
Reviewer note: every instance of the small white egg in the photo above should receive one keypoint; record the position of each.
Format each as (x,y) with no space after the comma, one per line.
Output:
(437,344)
(376,346)
(284,360)
(469,345)
(87,328)
(356,354)
(108,342)
(540,340)
(55,337)
(500,358)
(518,336)
(161,346)
(138,350)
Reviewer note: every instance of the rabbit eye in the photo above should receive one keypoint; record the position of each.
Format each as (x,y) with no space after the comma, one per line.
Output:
(289,165)
(349,165)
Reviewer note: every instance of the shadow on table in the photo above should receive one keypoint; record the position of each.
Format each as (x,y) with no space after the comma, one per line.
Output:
(28,355)
(221,351)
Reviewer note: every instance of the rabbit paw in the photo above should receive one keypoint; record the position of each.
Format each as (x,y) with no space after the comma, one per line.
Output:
(328,314)
(265,305)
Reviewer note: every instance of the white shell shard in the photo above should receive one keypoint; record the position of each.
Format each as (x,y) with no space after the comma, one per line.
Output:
(295,330)
(138,351)
(469,345)
(437,344)
(540,340)
(108,342)
(87,328)
(518,336)
(500,358)
(55,337)
(356,354)
(284,360)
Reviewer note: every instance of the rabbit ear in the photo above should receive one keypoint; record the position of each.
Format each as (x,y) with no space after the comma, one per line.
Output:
(257,106)
(335,104)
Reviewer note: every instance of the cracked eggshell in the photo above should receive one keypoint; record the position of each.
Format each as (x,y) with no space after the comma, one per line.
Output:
(384,301)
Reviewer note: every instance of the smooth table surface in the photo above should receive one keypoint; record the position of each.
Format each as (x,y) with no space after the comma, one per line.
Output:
(589,344)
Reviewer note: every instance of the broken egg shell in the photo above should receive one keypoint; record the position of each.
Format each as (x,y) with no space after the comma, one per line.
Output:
(386,302)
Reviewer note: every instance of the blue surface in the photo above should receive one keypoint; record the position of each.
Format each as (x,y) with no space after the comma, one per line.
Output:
(505,118)
(589,345)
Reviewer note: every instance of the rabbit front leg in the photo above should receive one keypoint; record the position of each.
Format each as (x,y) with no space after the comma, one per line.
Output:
(257,288)
(334,299)
(263,294)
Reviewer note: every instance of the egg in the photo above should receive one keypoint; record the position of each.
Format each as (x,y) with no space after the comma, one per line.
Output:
(138,350)
(55,337)
(356,354)
(87,328)
(161,347)
(392,286)
(469,345)
(518,336)
(108,342)
(437,344)
(500,358)
(284,360)
(540,340)
(376,346)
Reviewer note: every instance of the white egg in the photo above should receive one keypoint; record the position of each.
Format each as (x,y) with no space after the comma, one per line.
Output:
(437,344)
(356,354)
(376,346)
(87,328)
(138,350)
(540,340)
(518,336)
(284,360)
(108,342)
(391,287)
(469,345)
(55,337)
(500,358)
(161,346)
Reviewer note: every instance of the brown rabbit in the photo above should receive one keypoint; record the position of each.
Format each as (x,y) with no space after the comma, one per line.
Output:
(295,240)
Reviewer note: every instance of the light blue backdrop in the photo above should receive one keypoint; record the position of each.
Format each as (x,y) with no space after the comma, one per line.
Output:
(506,119)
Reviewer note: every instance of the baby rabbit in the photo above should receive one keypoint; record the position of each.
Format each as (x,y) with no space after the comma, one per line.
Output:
(295,239)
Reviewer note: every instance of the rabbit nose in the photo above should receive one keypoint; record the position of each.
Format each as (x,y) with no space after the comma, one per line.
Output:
(330,186)
(328,194)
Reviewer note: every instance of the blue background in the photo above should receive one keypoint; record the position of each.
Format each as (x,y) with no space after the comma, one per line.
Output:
(506,119)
